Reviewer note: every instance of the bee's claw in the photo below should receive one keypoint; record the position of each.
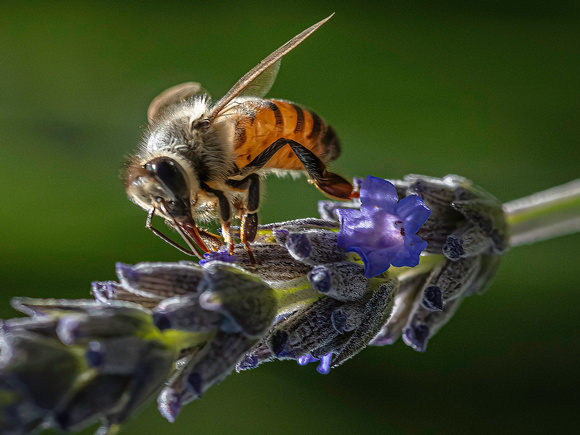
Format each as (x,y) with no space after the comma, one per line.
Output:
(250,253)
(354,194)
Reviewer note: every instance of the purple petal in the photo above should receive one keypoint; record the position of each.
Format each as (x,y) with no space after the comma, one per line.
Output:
(376,192)
(169,404)
(352,219)
(378,261)
(416,337)
(324,366)
(410,255)
(356,229)
(413,212)
(305,359)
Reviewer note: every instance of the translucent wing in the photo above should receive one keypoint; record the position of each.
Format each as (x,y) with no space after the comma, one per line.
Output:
(263,74)
(171,96)
(262,84)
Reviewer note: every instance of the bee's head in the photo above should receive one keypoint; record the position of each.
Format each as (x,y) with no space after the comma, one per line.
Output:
(160,184)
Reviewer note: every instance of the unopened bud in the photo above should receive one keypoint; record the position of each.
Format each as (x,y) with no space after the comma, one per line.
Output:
(185,313)
(162,280)
(343,281)
(244,298)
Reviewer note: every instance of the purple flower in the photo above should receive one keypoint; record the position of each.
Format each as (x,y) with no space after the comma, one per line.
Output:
(384,231)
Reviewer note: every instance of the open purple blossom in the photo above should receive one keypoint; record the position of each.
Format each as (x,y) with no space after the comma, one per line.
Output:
(383,231)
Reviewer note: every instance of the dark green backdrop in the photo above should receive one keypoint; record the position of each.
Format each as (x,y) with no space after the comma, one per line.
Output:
(488,91)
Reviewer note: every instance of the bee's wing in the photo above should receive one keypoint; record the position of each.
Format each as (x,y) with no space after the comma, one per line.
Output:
(262,84)
(172,95)
(260,79)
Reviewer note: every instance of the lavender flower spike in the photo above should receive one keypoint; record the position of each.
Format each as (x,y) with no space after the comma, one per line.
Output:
(383,232)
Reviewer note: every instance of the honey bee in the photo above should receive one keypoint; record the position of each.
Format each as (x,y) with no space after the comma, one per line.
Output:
(198,158)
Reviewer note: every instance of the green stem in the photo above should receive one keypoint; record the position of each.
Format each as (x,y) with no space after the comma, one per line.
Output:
(544,215)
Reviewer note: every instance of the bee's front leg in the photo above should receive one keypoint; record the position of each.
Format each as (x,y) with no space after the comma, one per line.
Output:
(212,241)
(227,235)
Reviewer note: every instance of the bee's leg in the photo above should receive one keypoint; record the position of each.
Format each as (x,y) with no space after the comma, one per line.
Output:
(212,241)
(328,182)
(249,226)
(227,234)
(250,219)
(225,214)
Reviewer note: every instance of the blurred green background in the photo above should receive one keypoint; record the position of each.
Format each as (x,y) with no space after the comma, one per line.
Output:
(487,90)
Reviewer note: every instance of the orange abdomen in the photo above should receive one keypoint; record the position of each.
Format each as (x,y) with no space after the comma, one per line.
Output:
(266,121)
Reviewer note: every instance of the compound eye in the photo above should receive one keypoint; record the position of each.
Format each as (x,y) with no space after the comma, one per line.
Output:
(170,173)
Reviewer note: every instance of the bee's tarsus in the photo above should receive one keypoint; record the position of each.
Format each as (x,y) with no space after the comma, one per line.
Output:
(248,249)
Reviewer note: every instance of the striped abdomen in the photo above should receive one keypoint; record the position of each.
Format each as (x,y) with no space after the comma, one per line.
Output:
(262,122)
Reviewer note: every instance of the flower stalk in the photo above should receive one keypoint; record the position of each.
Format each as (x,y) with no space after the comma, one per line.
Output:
(544,215)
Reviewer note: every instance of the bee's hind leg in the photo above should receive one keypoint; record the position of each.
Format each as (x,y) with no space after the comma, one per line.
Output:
(329,183)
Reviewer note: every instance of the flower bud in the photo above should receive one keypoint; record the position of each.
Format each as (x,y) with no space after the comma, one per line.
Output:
(160,280)
(347,318)
(185,313)
(305,330)
(424,323)
(273,263)
(452,278)
(245,299)
(261,353)
(315,247)
(107,291)
(488,267)
(118,356)
(402,306)
(107,322)
(327,209)
(99,396)
(343,281)
(467,241)
(376,312)
(218,360)
(38,368)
